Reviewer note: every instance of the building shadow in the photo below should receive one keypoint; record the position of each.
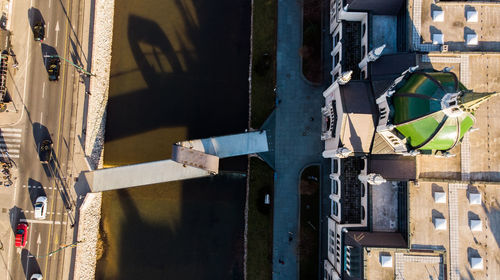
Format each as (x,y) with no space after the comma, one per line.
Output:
(41,133)
(35,16)
(15,214)
(29,263)
(35,190)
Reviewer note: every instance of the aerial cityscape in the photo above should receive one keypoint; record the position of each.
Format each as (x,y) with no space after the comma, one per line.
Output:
(250,139)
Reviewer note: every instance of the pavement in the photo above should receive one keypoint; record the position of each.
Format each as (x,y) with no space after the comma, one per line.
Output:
(297,131)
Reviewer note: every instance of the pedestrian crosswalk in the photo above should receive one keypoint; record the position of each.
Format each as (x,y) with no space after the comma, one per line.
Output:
(10,142)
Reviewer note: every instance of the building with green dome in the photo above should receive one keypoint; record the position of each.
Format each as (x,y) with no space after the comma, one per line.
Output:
(427,110)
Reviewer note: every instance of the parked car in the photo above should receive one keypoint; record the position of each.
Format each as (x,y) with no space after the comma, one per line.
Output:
(21,234)
(53,66)
(41,207)
(36,276)
(45,150)
(39,31)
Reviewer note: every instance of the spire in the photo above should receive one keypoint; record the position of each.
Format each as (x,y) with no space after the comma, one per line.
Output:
(470,101)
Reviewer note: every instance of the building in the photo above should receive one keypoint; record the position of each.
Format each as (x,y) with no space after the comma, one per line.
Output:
(397,124)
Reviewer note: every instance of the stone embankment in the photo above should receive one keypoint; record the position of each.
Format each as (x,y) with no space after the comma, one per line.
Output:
(90,211)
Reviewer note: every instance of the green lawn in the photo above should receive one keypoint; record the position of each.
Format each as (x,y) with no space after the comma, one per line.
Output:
(263,60)
(260,222)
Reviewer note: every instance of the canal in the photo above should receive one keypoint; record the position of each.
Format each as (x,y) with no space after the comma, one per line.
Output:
(179,71)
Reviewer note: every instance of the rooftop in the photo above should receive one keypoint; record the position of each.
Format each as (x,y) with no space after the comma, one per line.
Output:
(458,214)
(455,21)
(405,264)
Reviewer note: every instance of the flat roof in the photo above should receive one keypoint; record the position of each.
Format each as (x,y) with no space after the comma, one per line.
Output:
(455,26)
(384,207)
(423,235)
(359,116)
(393,167)
(415,265)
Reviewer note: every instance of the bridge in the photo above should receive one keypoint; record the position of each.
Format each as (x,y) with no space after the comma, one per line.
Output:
(190,159)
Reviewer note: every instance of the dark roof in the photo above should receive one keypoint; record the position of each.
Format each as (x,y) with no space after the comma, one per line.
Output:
(351,190)
(351,50)
(384,70)
(375,239)
(380,7)
(393,167)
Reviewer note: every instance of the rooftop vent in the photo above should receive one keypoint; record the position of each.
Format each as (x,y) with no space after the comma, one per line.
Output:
(472,16)
(437,39)
(475,225)
(440,224)
(438,16)
(386,260)
(476,263)
(474,198)
(440,197)
(471,39)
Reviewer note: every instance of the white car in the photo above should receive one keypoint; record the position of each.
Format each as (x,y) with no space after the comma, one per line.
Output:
(36,277)
(41,207)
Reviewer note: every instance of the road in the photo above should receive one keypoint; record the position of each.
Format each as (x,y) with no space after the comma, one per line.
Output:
(48,112)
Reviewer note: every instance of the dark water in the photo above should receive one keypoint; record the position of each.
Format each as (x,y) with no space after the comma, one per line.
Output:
(179,71)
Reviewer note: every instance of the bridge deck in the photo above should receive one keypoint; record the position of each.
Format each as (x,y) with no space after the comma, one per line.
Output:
(230,145)
(141,174)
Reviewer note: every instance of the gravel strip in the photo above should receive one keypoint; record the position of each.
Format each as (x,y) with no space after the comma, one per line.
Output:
(90,211)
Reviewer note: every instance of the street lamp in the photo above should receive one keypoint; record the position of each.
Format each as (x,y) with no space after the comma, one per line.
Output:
(84,71)
(57,250)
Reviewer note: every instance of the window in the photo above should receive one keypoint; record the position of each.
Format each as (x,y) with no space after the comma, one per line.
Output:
(337,59)
(363,51)
(335,187)
(337,39)
(335,78)
(364,30)
(334,113)
(335,208)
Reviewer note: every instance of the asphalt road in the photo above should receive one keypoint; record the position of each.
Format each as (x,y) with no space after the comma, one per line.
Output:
(48,111)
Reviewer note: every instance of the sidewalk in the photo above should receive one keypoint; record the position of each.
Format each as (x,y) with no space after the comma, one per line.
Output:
(297,142)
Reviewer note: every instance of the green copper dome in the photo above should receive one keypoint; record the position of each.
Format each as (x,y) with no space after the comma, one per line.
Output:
(433,110)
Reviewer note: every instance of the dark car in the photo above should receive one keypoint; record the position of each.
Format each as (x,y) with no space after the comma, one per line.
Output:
(53,66)
(39,31)
(45,150)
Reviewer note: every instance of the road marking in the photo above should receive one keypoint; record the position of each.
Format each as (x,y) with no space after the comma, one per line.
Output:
(50,3)
(65,51)
(11,134)
(11,129)
(10,141)
(9,145)
(41,221)
(41,118)
(37,187)
(43,90)
(48,29)
(10,150)
(57,31)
